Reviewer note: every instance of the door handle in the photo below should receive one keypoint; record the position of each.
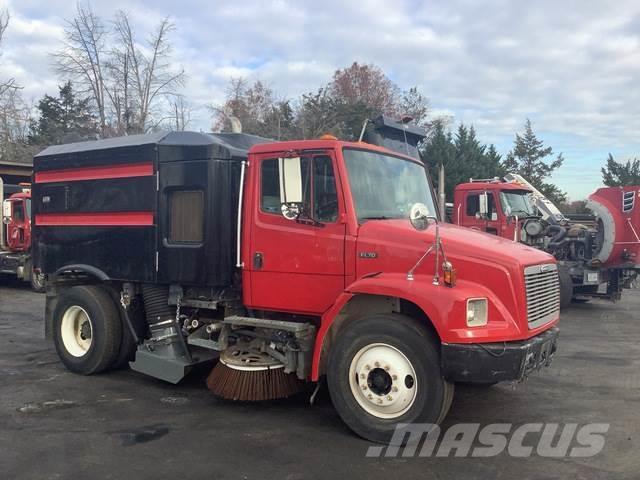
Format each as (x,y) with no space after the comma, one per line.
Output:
(257,260)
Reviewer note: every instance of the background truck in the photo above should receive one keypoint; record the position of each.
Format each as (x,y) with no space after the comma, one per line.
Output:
(15,235)
(598,256)
(288,262)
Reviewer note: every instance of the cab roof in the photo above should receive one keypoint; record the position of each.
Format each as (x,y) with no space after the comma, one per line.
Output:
(492,186)
(324,144)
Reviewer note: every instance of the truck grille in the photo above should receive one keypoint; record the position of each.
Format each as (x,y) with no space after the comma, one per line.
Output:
(628,199)
(543,293)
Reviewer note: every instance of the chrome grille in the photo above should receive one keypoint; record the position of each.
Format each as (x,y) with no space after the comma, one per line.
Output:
(543,293)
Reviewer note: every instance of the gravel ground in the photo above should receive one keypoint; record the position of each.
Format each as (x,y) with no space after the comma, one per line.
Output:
(121,425)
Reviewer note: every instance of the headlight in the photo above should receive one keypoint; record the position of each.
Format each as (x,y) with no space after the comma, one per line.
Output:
(477,309)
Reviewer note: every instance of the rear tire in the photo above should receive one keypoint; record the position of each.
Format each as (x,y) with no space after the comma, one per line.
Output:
(403,383)
(87,330)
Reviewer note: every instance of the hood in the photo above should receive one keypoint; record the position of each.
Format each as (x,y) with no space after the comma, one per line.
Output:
(492,263)
(397,238)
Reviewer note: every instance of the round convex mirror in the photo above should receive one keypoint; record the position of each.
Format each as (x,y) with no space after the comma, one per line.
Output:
(290,211)
(419,216)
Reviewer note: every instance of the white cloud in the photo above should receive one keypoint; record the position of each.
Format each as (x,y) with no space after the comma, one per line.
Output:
(571,66)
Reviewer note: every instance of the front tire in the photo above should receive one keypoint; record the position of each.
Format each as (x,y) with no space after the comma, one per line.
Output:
(384,370)
(87,329)
(38,282)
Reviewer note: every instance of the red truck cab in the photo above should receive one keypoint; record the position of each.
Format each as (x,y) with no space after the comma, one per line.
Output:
(598,254)
(322,257)
(15,234)
(17,221)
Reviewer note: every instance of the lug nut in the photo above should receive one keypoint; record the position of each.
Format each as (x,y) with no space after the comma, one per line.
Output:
(364,387)
(380,400)
(367,367)
(389,398)
(387,368)
(394,389)
(377,364)
(370,397)
(394,377)
(362,376)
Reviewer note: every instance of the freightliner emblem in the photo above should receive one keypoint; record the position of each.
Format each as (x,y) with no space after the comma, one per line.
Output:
(368,255)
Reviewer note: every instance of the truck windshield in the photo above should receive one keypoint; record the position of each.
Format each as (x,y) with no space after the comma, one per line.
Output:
(386,187)
(517,203)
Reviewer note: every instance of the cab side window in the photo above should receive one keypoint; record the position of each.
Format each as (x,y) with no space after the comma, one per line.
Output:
(320,198)
(18,212)
(473,205)
(325,196)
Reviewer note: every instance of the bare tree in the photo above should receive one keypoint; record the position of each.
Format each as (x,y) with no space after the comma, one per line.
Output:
(81,58)
(9,84)
(152,79)
(182,113)
(129,83)
(14,127)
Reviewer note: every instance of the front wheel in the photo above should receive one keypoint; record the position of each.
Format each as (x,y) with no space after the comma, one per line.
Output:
(384,370)
(38,282)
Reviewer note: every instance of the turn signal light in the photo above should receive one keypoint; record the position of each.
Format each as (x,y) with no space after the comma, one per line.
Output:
(328,136)
(449,274)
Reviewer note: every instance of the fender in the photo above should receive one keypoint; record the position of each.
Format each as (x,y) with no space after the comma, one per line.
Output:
(444,306)
(81,267)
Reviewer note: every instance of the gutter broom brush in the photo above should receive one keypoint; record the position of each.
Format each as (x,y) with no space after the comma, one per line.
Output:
(249,375)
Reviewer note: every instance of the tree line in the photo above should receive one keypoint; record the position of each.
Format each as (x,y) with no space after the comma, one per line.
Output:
(116,83)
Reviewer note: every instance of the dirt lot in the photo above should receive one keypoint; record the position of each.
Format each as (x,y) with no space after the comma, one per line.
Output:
(121,425)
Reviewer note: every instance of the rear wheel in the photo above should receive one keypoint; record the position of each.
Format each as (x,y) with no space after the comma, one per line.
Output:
(385,370)
(87,329)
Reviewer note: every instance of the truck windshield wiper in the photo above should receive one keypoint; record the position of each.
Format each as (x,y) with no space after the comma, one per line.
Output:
(379,217)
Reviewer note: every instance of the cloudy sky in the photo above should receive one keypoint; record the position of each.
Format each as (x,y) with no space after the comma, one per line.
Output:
(572,67)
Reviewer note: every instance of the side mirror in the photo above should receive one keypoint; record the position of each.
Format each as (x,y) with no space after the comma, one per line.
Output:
(420,218)
(484,205)
(6,212)
(290,187)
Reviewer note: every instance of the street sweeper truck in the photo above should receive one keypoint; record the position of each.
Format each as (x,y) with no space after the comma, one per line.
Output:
(282,263)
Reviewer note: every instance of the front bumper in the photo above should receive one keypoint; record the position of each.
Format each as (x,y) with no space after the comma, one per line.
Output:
(498,362)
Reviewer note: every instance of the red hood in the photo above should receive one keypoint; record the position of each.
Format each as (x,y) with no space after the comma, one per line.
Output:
(491,263)
(398,240)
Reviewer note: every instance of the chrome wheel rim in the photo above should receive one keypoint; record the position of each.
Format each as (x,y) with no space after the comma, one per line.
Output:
(76,331)
(383,381)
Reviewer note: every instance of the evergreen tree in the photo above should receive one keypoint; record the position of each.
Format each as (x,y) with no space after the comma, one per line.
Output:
(616,174)
(462,155)
(62,119)
(529,159)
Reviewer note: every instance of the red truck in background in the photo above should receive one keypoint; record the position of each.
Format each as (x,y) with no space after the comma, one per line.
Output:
(15,235)
(310,259)
(598,257)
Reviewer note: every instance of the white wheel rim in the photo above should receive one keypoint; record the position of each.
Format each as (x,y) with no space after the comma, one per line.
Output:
(383,381)
(76,331)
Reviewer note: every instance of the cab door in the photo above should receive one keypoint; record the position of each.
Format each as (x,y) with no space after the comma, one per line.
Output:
(297,265)
(472,216)
(17,225)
